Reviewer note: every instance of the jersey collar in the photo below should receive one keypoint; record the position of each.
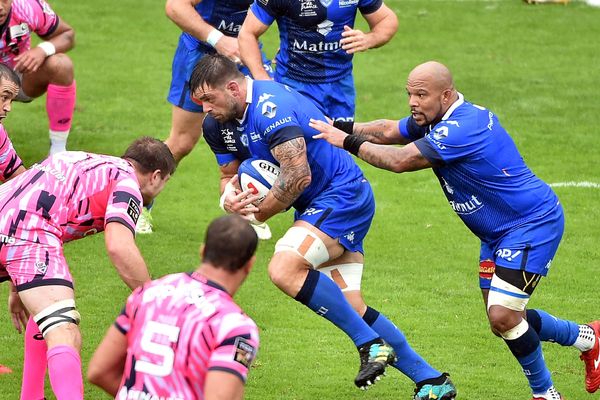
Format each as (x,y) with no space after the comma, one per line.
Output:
(249,90)
(454,106)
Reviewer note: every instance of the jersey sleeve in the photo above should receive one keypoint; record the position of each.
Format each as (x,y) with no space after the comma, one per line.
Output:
(448,143)
(9,159)
(124,320)
(237,346)
(39,16)
(277,121)
(410,130)
(211,130)
(369,6)
(265,10)
(124,203)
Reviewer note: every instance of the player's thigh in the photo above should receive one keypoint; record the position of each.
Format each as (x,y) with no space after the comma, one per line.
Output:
(57,69)
(186,130)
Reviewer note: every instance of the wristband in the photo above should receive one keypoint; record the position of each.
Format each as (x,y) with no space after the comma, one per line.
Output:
(213,37)
(229,188)
(48,48)
(352,143)
(346,126)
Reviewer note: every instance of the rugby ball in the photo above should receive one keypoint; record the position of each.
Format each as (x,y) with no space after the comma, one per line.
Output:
(258,175)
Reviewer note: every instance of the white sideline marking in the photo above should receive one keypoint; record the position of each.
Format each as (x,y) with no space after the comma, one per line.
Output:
(584,184)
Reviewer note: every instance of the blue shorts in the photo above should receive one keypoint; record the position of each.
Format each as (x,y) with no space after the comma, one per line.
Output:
(344,212)
(530,247)
(184,62)
(336,99)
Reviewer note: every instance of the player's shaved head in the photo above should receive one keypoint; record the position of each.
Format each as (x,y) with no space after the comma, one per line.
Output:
(230,243)
(7,73)
(434,73)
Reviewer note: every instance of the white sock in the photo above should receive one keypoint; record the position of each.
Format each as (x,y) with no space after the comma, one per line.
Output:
(586,339)
(58,141)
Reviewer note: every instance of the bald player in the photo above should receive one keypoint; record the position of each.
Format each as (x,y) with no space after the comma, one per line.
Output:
(517,216)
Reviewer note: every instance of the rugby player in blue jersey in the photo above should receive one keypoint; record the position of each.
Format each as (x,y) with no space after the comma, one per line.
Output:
(317,43)
(516,215)
(209,26)
(319,260)
(230,146)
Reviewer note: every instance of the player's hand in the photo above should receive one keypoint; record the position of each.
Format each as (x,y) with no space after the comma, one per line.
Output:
(228,46)
(18,312)
(354,40)
(240,202)
(30,61)
(328,132)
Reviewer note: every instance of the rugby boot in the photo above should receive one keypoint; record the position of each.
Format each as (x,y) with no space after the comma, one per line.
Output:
(144,224)
(591,358)
(374,358)
(440,388)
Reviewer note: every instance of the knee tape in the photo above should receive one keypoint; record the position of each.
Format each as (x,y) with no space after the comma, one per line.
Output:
(346,276)
(304,243)
(506,295)
(60,313)
(517,331)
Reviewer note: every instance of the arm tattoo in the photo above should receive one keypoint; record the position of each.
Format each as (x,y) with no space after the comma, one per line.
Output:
(295,171)
(393,158)
(373,131)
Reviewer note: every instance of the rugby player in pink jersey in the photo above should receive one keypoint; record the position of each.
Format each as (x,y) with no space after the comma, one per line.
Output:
(45,68)
(182,337)
(67,197)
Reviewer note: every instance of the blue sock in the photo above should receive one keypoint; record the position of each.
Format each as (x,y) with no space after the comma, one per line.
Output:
(409,362)
(323,296)
(552,329)
(528,351)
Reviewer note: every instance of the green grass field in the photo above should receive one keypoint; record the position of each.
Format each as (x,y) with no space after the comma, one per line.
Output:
(536,67)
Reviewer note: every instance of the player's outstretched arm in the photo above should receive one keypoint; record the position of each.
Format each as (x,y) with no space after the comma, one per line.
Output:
(222,385)
(381,131)
(251,30)
(124,254)
(185,16)
(107,363)
(383,24)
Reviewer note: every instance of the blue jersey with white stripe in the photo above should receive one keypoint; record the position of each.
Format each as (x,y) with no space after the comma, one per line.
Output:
(227,140)
(481,171)
(275,114)
(226,16)
(310,32)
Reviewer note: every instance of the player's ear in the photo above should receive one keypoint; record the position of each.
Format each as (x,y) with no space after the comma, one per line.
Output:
(156,175)
(233,87)
(202,250)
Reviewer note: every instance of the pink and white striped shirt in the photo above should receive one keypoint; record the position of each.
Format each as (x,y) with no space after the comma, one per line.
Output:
(26,16)
(68,196)
(178,328)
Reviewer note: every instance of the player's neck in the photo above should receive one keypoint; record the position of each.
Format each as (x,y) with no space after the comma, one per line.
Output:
(230,282)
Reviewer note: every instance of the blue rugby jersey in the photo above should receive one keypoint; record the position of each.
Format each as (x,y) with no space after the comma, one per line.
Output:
(226,140)
(227,16)
(482,174)
(276,114)
(310,32)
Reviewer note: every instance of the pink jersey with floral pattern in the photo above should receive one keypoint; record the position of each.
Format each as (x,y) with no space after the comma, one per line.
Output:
(26,16)
(68,196)
(178,328)
(9,160)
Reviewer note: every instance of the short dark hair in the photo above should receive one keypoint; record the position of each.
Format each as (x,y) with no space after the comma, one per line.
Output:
(229,243)
(150,154)
(9,74)
(213,70)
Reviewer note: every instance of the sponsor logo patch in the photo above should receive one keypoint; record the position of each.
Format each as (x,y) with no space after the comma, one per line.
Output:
(244,352)
(133,210)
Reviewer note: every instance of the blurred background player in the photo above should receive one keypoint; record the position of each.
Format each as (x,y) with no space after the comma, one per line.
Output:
(317,43)
(10,163)
(69,196)
(322,253)
(208,26)
(229,144)
(44,68)
(517,216)
(202,342)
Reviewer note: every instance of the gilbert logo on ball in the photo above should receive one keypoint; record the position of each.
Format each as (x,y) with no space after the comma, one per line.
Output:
(258,175)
